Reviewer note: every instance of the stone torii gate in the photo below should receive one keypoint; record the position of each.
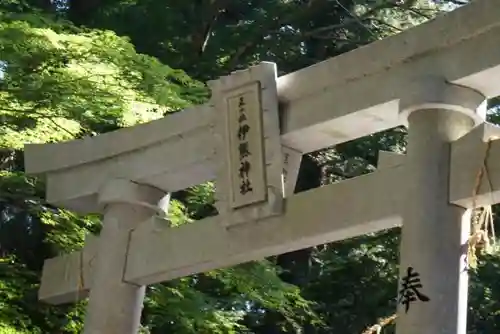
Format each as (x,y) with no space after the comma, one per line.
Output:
(434,78)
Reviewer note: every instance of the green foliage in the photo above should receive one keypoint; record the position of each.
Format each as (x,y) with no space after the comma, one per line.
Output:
(79,81)
(220,36)
(4,329)
(260,285)
(19,309)
(180,308)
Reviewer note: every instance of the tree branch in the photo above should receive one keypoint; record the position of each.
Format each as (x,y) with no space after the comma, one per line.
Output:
(312,6)
(207,23)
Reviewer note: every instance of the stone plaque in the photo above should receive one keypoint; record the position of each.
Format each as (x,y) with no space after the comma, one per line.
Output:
(249,179)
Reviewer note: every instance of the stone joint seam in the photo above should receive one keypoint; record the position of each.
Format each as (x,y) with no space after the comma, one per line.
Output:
(124,191)
(127,250)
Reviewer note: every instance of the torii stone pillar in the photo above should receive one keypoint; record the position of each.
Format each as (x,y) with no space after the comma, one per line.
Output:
(114,305)
(432,289)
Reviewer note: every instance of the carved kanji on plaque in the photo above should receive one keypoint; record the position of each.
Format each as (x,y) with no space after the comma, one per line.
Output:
(246,156)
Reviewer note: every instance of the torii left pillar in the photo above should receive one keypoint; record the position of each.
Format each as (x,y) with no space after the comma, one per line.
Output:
(115,306)
(433,284)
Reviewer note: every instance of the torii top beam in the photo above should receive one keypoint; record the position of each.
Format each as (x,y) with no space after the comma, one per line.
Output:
(321,107)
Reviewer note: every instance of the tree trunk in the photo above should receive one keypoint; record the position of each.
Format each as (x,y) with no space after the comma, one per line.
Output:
(81,11)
